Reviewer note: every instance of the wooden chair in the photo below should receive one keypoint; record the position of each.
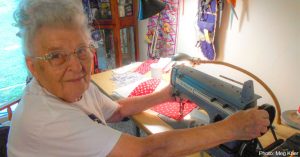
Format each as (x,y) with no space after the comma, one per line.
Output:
(8,107)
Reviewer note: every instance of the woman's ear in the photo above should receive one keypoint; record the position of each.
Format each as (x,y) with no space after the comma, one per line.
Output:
(30,65)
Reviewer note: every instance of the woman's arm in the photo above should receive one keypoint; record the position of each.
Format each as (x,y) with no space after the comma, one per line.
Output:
(134,105)
(243,125)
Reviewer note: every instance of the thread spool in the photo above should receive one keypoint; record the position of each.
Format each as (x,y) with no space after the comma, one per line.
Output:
(156,71)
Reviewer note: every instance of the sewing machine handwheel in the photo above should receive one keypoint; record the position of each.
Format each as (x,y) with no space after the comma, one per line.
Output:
(249,148)
(271,111)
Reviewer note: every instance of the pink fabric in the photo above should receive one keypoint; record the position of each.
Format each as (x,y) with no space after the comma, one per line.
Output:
(145,66)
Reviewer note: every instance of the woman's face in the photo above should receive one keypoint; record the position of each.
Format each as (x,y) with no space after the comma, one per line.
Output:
(66,79)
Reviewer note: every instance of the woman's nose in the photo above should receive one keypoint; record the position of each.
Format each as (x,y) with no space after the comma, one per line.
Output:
(75,63)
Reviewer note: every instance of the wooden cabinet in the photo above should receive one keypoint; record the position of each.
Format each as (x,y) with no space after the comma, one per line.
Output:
(117,20)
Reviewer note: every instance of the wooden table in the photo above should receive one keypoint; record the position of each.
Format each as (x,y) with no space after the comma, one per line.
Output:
(151,123)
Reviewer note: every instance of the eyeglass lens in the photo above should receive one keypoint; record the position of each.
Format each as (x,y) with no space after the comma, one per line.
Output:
(60,57)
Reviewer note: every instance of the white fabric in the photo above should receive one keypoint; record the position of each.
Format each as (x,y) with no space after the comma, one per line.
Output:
(127,68)
(163,62)
(45,126)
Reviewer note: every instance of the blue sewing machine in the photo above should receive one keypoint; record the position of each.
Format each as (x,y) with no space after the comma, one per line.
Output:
(219,99)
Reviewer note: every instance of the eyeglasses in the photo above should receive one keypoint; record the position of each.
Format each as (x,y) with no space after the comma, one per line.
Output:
(58,58)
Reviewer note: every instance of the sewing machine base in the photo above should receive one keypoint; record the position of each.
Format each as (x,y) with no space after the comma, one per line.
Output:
(197,118)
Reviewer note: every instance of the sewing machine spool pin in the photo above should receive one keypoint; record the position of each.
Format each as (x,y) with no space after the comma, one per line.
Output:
(247,93)
(230,79)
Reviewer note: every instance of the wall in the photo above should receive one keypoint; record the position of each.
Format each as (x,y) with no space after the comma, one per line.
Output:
(142,43)
(265,40)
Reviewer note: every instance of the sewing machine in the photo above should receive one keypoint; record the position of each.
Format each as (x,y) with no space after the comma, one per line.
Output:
(221,99)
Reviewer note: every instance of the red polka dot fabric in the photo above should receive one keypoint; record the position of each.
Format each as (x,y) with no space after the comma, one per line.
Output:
(145,88)
(170,109)
(145,66)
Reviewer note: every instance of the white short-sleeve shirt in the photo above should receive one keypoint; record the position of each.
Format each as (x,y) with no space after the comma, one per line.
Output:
(46,126)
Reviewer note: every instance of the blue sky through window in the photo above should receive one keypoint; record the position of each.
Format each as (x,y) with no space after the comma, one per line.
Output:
(12,66)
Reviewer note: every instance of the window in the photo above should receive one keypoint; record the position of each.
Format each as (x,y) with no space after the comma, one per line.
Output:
(13,71)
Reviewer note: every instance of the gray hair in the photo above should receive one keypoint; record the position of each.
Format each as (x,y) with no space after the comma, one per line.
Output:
(34,14)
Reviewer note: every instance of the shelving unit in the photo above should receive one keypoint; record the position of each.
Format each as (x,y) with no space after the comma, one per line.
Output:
(104,16)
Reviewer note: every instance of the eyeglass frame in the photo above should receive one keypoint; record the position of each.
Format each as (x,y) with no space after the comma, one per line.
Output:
(48,56)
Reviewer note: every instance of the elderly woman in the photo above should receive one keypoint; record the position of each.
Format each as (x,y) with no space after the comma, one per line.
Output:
(53,117)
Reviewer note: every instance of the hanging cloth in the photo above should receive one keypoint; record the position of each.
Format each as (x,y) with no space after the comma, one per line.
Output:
(207,19)
(162,31)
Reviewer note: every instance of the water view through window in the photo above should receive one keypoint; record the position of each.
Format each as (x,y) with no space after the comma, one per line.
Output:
(12,66)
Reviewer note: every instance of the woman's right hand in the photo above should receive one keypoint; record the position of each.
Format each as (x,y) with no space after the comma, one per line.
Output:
(248,124)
